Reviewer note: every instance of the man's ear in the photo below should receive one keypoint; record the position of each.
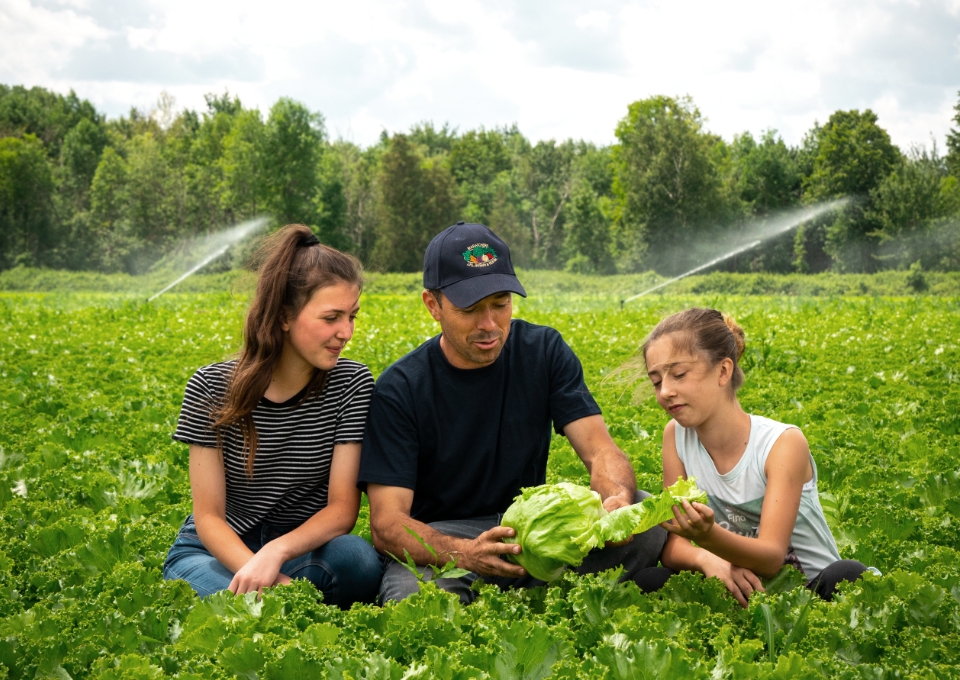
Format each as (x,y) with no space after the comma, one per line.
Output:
(432,305)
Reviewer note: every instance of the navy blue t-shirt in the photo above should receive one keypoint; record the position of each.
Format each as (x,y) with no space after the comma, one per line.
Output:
(467,440)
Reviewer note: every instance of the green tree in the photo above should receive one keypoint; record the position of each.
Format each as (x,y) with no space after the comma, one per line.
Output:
(293,146)
(47,115)
(908,205)
(418,200)
(243,188)
(587,243)
(27,221)
(953,143)
(477,158)
(767,176)
(854,154)
(109,207)
(547,182)
(666,183)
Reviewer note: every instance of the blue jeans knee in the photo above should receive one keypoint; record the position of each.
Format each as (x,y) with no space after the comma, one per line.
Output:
(346,570)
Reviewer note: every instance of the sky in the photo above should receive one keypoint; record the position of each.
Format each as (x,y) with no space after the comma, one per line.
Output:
(556,68)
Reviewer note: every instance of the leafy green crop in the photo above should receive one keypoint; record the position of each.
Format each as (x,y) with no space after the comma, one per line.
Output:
(92,493)
(558,524)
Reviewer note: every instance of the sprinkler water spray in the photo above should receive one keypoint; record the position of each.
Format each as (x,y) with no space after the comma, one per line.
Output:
(216,245)
(770,228)
(716,260)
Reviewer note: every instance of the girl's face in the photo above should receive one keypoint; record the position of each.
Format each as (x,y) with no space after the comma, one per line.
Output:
(325,324)
(686,386)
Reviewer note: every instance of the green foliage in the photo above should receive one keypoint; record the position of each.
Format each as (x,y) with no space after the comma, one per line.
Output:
(27,220)
(854,154)
(418,200)
(133,193)
(666,181)
(953,142)
(92,492)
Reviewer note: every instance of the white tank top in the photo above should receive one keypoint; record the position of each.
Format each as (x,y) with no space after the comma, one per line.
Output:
(737,496)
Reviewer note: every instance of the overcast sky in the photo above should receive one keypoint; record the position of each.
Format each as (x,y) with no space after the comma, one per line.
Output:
(558,69)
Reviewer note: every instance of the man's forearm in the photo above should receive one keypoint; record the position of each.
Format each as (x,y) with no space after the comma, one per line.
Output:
(390,535)
(612,475)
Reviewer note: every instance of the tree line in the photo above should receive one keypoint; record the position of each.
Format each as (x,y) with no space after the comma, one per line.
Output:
(81,191)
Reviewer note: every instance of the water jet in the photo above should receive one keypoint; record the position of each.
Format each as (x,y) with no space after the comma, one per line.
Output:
(768,229)
(215,245)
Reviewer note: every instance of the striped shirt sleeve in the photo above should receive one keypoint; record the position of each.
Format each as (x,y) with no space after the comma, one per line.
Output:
(354,406)
(199,401)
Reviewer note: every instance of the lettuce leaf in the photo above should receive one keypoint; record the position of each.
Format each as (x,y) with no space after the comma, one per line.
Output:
(635,519)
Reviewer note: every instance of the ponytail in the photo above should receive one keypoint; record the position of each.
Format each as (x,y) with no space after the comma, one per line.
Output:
(293,265)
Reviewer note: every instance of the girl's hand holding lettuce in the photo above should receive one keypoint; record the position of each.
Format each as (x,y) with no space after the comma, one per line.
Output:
(558,524)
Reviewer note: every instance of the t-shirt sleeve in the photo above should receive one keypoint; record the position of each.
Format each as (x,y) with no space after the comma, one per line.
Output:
(199,402)
(354,406)
(569,397)
(391,446)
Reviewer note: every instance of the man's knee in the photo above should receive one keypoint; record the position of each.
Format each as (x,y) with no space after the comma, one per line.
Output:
(400,583)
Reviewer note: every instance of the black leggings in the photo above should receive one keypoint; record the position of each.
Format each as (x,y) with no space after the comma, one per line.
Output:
(842,570)
(653,579)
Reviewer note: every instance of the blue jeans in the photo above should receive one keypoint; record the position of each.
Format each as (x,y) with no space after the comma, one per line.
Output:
(346,569)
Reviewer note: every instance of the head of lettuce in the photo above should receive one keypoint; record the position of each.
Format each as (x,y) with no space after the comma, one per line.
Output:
(558,524)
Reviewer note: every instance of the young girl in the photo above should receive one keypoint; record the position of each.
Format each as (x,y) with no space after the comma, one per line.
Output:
(275,438)
(761,482)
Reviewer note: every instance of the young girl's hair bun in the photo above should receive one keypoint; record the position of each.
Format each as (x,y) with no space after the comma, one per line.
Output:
(738,335)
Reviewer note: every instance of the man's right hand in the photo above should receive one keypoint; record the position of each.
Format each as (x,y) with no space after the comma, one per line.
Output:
(482,554)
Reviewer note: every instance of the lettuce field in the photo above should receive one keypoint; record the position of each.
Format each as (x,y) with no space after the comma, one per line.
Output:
(93,490)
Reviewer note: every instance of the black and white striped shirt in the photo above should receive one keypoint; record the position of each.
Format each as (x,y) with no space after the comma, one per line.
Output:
(295,449)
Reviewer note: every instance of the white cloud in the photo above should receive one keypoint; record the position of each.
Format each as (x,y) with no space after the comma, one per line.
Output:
(556,68)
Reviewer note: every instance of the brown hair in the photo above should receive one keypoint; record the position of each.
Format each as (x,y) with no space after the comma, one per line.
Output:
(706,332)
(293,265)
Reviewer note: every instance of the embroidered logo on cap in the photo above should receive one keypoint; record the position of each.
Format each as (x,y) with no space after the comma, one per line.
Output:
(479,255)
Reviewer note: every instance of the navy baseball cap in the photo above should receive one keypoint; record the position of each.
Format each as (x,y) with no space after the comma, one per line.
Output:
(468,262)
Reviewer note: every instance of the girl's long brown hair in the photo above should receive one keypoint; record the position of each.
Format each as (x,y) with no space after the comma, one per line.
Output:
(293,265)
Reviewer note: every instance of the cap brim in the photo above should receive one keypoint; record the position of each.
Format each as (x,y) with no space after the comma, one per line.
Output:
(470,291)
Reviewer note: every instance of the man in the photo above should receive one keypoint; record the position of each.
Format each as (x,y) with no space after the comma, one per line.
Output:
(460,424)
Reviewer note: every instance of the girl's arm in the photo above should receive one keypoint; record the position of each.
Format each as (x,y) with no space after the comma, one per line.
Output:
(208,487)
(337,518)
(787,469)
(679,554)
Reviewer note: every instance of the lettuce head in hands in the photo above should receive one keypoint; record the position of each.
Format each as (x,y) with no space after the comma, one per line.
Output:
(558,524)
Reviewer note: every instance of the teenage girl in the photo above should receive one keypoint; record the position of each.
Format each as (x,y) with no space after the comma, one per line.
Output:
(761,481)
(275,438)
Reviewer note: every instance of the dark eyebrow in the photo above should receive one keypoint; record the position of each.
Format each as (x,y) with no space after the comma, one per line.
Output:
(342,311)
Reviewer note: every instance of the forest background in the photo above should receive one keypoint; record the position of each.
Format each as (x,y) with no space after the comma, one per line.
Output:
(81,192)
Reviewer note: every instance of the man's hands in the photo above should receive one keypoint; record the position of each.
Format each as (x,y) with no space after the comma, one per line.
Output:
(694,522)
(482,554)
(261,571)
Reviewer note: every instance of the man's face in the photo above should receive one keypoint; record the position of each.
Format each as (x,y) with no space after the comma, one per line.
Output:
(473,337)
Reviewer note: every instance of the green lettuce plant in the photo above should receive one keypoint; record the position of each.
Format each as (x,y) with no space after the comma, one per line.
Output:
(558,524)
